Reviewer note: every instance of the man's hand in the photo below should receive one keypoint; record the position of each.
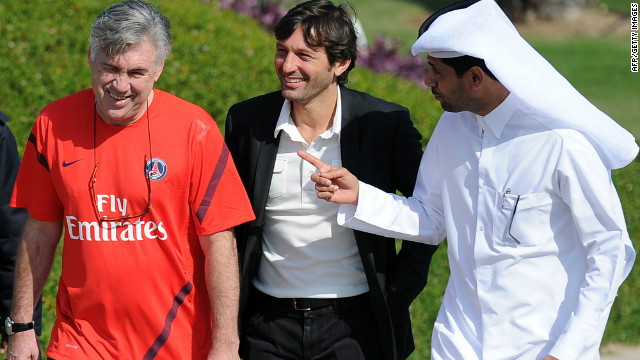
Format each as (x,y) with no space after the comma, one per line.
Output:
(24,346)
(549,357)
(333,184)
(37,246)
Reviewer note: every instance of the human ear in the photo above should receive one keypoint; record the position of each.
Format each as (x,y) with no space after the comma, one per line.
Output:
(89,57)
(341,66)
(477,76)
(159,72)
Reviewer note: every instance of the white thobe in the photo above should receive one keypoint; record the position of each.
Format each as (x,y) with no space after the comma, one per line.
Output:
(537,242)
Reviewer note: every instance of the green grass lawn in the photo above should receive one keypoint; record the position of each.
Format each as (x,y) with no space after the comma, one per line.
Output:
(220,58)
(392,19)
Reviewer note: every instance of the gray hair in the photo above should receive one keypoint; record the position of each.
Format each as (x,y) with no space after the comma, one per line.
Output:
(130,23)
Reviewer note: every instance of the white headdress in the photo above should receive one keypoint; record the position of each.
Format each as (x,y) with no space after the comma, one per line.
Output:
(483,31)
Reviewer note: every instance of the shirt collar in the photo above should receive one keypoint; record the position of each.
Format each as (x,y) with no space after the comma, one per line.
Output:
(496,120)
(285,121)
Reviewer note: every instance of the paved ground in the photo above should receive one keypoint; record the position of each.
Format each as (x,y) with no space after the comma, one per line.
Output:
(620,352)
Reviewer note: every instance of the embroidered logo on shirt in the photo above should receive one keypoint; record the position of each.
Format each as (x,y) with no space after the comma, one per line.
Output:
(156,169)
(65,163)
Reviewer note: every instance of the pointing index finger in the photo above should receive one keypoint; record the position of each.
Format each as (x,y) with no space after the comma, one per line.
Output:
(319,164)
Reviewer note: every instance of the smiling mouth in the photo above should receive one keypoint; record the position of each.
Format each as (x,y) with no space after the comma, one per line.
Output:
(291,80)
(117,97)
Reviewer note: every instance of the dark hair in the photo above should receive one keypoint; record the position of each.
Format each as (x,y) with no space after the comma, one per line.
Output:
(462,64)
(327,25)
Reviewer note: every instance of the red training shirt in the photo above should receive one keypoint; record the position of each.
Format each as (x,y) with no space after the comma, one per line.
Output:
(133,289)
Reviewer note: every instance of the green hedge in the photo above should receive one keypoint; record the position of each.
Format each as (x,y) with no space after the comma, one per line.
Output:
(220,58)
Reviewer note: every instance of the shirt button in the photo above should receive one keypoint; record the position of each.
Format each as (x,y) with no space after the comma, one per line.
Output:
(484,183)
(481,228)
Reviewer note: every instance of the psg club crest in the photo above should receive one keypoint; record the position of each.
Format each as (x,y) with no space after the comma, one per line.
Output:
(156,169)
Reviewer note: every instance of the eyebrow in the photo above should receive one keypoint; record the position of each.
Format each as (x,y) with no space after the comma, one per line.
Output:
(137,68)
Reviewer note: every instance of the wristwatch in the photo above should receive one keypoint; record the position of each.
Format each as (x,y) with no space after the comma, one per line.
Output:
(14,327)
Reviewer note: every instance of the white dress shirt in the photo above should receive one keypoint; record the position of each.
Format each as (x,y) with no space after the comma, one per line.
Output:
(305,253)
(537,242)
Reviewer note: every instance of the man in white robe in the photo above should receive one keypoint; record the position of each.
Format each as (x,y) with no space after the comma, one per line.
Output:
(517,177)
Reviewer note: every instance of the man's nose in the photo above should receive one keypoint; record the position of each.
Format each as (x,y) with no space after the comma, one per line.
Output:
(428,79)
(121,83)
(290,63)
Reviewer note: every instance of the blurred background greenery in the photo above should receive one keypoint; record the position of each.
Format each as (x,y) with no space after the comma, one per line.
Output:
(220,58)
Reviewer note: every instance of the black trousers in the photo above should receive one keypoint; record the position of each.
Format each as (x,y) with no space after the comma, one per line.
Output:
(344,329)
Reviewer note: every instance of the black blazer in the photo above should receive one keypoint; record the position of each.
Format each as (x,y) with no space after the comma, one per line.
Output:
(11,223)
(382,148)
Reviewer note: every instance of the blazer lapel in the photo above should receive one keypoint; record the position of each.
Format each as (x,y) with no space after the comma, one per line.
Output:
(350,152)
(349,143)
(264,167)
(264,158)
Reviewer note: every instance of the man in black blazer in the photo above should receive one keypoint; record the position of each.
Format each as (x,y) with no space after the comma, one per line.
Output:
(11,222)
(310,288)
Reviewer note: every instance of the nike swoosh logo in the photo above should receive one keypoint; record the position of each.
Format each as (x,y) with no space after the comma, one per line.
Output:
(65,164)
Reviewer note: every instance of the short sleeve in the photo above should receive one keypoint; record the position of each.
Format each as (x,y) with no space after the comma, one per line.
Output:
(218,199)
(34,188)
